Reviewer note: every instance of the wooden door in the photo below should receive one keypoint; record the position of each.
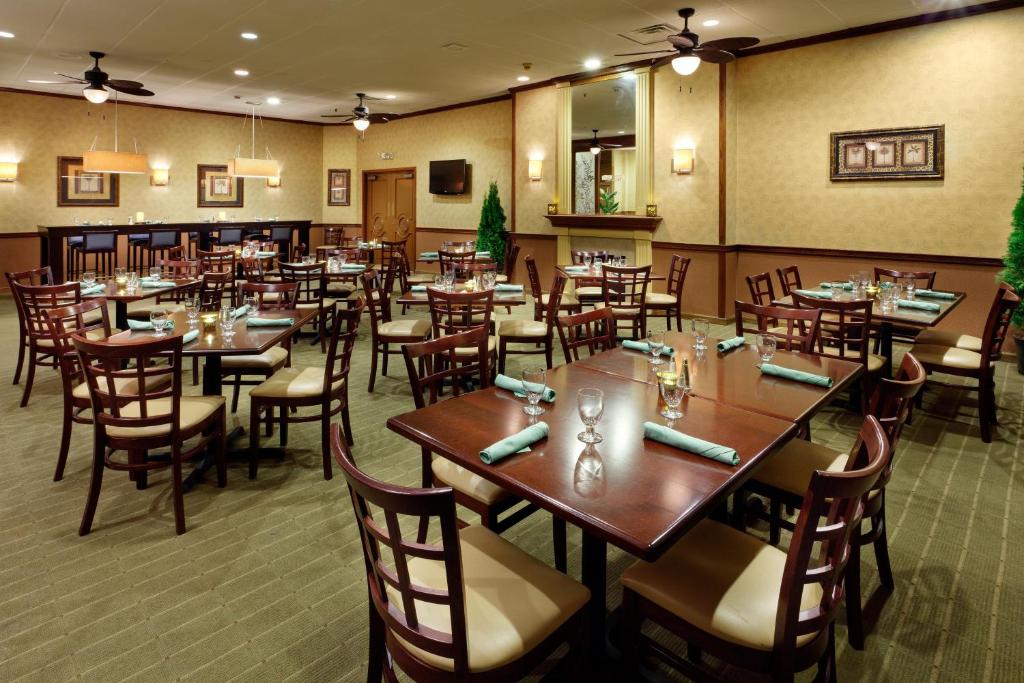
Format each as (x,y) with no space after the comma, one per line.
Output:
(390,212)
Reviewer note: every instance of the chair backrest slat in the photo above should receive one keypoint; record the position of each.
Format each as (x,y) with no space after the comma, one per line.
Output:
(794,329)
(922,278)
(762,292)
(594,329)
(789,279)
(431,363)
(453,312)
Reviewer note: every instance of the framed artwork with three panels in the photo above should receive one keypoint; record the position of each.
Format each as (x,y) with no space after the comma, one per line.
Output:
(216,188)
(78,187)
(888,154)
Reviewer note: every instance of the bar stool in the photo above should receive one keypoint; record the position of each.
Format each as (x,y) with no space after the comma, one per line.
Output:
(228,236)
(103,248)
(282,236)
(135,244)
(158,242)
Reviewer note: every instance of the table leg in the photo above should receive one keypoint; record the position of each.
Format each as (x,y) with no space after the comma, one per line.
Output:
(121,315)
(885,346)
(594,572)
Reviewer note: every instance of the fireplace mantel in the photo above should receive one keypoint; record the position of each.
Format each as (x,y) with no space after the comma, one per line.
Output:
(604,222)
(639,229)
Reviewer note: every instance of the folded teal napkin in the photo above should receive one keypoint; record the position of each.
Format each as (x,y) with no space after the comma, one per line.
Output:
(517,443)
(516,387)
(138,325)
(727,344)
(919,305)
(576,269)
(153,284)
(828,285)
(418,288)
(506,287)
(644,347)
(428,254)
(692,444)
(355,267)
(814,294)
(241,310)
(796,375)
(484,254)
(265,254)
(189,336)
(94,289)
(269,322)
(934,295)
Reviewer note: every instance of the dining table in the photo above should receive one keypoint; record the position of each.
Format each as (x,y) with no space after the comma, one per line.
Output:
(575,272)
(121,296)
(418,297)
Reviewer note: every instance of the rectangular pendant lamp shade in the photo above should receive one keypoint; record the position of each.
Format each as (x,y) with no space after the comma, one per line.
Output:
(115,162)
(254,168)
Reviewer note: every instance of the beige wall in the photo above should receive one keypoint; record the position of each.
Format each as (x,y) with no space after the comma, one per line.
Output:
(36,129)
(967,74)
(339,151)
(536,137)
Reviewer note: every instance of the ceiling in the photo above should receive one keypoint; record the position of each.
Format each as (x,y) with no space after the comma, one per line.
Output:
(314,54)
(609,106)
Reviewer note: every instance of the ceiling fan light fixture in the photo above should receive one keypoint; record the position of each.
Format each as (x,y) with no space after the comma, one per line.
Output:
(595,149)
(684,65)
(96,94)
(361,124)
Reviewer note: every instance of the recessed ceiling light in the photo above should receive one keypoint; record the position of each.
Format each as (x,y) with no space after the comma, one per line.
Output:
(6,34)
(711,22)
(241,72)
(273,100)
(523,78)
(249,35)
(592,63)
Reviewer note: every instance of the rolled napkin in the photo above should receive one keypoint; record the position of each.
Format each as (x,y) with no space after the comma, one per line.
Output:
(428,254)
(139,325)
(156,283)
(483,254)
(692,444)
(644,347)
(93,289)
(828,285)
(795,375)
(931,293)
(516,387)
(507,287)
(517,443)
(919,305)
(418,288)
(265,254)
(190,336)
(727,344)
(354,267)
(241,310)
(576,269)
(269,322)
(814,294)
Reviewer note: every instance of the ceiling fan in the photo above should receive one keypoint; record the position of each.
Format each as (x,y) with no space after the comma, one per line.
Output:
(692,52)
(596,145)
(95,78)
(361,117)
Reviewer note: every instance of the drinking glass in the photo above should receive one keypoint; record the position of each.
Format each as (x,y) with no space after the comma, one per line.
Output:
(449,280)
(534,384)
(701,328)
(897,292)
(307,260)
(88,278)
(254,309)
(655,343)
(766,344)
(227,322)
(120,277)
(909,286)
(490,279)
(885,296)
(132,282)
(588,259)
(672,391)
(439,282)
(158,319)
(590,403)
(154,272)
(622,261)
(341,259)
(598,264)
(192,312)
(838,290)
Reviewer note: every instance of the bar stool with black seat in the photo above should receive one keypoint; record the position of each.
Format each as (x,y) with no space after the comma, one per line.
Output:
(35,301)
(538,334)
(158,246)
(472,607)
(789,279)
(594,329)
(625,292)
(33,277)
(281,235)
(102,246)
(135,242)
(671,302)
(747,603)
(159,418)
(325,388)
(384,331)
(226,237)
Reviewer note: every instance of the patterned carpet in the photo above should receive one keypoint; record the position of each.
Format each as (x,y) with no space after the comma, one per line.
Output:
(267,584)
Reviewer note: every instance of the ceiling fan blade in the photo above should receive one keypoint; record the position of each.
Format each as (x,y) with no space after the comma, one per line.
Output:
(637,54)
(139,92)
(115,83)
(74,79)
(382,117)
(37,82)
(608,145)
(714,56)
(680,41)
(347,117)
(731,44)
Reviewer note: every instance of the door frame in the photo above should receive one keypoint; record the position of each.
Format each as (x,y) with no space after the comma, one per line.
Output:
(366,203)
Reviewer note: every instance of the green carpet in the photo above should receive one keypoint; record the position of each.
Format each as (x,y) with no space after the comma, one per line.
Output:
(268,585)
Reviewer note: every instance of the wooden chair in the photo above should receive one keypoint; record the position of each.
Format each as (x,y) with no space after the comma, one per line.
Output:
(539,334)
(594,329)
(794,329)
(960,340)
(748,603)
(35,301)
(588,289)
(289,389)
(160,417)
(762,292)
(789,279)
(383,330)
(508,265)
(672,301)
(33,277)
(173,301)
(472,608)
(393,257)
(311,293)
(298,251)
(784,477)
(978,365)
(220,262)
(568,302)
(454,312)
(102,246)
(333,235)
(453,261)
(922,278)
(625,292)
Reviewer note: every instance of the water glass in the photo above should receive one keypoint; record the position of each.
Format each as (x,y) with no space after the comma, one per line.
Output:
(588,259)
(132,282)
(701,328)
(158,319)
(490,279)
(534,384)
(439,282)
(590,403)
(307,260)
(154,272)
(254,308)
(622,261)
(227,322)
(192,312)
(341,259)
(598,264)
(885,297)
(449,280)
(909,286)
(88,278)
(766,344)
(672,392)
(655,344)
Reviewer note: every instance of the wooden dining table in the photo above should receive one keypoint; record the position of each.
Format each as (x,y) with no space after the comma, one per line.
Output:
(121,297)
(411,298)
(576,272)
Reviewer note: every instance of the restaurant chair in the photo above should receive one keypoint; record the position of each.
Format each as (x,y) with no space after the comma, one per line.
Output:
(794,329)
(298,251)
(748,603)
(789,279)
(508,265)
(454,261)
(269,297)
(102,246)
(221,262)
(312,294)
(977,365)
(33,277)
(960,340)
(762,291)
(588,289)
(568,302)
(594,329)
(159,418)
(392,257)
(333,235)
(35,301)
(625,292)
(455,312)
(384,332)
(671,302)
(538,334)
(173,301)
(923,279)
(291,389)
(469,607)
(784,477)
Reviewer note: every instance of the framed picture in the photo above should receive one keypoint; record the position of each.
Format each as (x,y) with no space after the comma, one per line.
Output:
(338,185)
(888,154)
(78,187)
(215,188)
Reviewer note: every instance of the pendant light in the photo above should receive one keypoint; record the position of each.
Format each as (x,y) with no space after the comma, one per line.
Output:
(361,124)
(104,161)
(251,167)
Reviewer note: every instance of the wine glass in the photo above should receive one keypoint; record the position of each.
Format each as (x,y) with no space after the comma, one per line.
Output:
(655,343)
(534,385)
(590,403)
(672,391)
(158,319)
(227,322)
(154,272)
(88,278)
(909,286)
(766,344)
(701,328)
(588,259)
(192,312)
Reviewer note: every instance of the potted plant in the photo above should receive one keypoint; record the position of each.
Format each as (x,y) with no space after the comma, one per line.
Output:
(608,203)
(491,235)
(1013,273)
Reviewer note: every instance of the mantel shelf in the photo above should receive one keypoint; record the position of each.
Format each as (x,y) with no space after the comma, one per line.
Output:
(603,222)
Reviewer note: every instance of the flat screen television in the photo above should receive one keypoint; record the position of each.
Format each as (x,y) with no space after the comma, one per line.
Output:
(448,177)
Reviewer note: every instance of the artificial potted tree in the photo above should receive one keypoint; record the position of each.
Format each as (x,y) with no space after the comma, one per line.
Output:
(1013,273)
(491,235)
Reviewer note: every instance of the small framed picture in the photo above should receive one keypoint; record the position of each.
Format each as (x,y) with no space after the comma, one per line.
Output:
(915,152)
(338,185)
(214,187)
(78,187)
(856,155)
(884,156)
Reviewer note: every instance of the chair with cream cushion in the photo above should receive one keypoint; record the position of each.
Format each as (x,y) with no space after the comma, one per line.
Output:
(385,332)
(159,417)
(671,302)
(978,365)
(34,276)
(468,607)
(625,292)
(295,388)
(454,312)
(33,302)
(746,602)
(532,332)
(568,303)
(960,340)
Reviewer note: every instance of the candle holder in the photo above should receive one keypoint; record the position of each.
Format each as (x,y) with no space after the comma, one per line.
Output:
(209,323)
(553,209)
(652,210)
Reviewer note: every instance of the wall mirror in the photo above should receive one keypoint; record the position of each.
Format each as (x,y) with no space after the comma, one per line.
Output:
(604,155)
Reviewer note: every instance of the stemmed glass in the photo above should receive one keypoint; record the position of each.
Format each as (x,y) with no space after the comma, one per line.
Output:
(227,322)
(158,319)
(534,384)
(701,328)
(909,285)
(655,343)
(766,344)
(88,278)
(588,259)
(672,391)
(590,403)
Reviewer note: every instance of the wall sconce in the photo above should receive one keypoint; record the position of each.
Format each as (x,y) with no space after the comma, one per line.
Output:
(159,177)
(682,160)
(274,181)
(535,168)
(8,171)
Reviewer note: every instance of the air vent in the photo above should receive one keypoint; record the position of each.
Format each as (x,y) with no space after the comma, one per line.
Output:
(650,35)
(454,47)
